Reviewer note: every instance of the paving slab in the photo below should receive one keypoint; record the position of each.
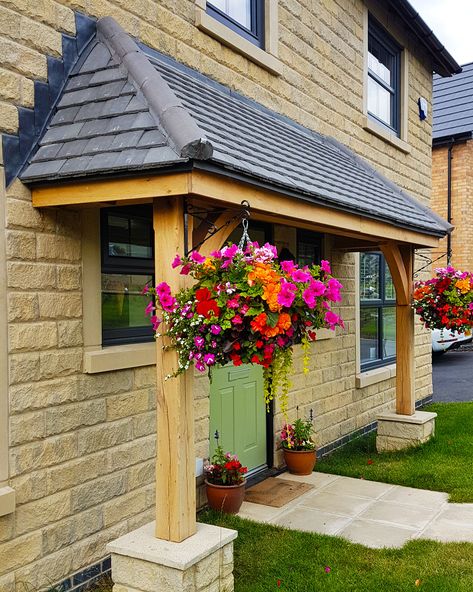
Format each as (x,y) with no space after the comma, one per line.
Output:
(311,520)
(368,512)
(377,535)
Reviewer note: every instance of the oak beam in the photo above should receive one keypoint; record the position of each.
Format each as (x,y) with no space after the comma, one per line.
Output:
(400,260)
(175,464)
(111,190)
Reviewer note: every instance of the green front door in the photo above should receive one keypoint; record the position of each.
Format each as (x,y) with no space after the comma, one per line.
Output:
(238,412)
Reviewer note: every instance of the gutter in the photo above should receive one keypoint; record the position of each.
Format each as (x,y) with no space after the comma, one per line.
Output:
(444,64)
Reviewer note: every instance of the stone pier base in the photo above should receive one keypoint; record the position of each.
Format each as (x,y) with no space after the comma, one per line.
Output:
(396,432)
(201,563)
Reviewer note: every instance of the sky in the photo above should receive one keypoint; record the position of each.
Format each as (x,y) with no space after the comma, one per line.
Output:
(451,21)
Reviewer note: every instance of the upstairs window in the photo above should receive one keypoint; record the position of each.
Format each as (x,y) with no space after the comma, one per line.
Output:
(245,17)
(384,77)
(377,312)
(127,265)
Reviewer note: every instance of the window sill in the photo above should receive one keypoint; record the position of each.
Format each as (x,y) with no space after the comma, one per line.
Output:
(379,131)
(7,501)
(219,31)
(119,357)
(374,376)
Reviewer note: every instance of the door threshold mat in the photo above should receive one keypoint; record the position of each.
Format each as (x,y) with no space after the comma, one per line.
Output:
(276,492)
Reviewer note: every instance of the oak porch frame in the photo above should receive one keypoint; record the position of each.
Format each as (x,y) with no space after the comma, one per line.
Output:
(175,465)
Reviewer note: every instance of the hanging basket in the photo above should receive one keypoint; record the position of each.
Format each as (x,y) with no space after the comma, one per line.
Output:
(245,307)
(446,300)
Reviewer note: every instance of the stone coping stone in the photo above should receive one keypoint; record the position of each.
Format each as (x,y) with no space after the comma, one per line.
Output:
(143,544)
(419,417)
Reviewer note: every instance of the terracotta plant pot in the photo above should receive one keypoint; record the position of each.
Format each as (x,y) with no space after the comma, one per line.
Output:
(225,498)
(300,462)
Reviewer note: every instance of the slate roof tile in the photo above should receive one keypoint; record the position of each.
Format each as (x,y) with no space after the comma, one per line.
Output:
(98,58)
(69,149)
(453,104)
(60,133)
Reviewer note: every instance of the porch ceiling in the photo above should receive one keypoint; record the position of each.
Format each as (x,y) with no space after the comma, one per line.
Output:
(127,110)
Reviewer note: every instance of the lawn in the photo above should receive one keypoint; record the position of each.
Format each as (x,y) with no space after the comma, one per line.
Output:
(443,464)
(271,558)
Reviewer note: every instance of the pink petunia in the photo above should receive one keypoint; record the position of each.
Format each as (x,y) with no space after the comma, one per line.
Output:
(197,257)
(185,269)
(156,322)
(200,366)
(233,303)
(145,290)
(318,287)
(309,297)
(149,309)
(168,302)
(325,266)
(287,294)
(162,289)
(215,329)
(300,276)
(288,266)
(199,342)
(333,290)
(237,320)
(176,262)
(230,252)
(209,359)
(332,319)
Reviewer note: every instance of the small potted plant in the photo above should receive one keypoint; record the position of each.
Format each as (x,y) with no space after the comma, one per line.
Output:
(225,482)
(298,446)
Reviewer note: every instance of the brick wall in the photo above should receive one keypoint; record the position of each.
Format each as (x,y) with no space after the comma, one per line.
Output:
(462,202)
(82,446)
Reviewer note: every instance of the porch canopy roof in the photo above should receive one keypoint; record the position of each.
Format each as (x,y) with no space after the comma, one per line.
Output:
(127,110)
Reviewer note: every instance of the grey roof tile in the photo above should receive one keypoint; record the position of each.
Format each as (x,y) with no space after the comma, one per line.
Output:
(98,58)
(152,138)
(104,160)
(160,155)
(60,133)
(110,75)
(47,152)
(73,148)
(130,158)
(99,144)
(115,106)
(137,103)
(79,81)
(78,97)
(66,115)
(75,165)
(46,168)
(127,140)
(91,110)
(94,128)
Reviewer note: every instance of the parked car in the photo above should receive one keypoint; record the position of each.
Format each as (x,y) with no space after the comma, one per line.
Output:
(444,340)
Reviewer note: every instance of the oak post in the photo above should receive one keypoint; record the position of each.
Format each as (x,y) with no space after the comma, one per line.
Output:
(400,260)
(175,463)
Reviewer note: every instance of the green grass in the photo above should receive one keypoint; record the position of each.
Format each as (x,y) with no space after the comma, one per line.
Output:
(443,464)
(265,554)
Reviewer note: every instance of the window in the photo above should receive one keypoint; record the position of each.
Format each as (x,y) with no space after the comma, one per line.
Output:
(246,17)
(309,248)
(127,265)
(377,312)
(384,77)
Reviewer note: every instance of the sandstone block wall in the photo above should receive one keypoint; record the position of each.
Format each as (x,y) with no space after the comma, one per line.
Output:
(81,446)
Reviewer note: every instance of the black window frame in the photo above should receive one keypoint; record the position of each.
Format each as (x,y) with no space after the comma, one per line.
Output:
(380,304)
(126,265)
(384,39)
(310,237)
(256,34)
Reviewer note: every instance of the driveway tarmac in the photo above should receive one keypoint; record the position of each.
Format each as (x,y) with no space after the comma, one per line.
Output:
(453,376)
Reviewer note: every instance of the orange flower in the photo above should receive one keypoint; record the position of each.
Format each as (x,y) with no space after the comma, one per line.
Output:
(270,294)
(284,322)
(259,322)
(463,285)
(263,273)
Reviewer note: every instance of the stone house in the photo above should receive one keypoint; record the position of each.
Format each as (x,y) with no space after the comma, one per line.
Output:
(452,158)
(115,131)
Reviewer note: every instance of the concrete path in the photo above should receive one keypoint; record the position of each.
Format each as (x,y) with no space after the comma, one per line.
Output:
(367,512)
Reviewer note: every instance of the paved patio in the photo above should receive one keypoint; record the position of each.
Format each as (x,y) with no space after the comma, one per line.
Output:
(367,512)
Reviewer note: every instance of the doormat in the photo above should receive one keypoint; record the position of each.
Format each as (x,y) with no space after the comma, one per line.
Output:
(276,492)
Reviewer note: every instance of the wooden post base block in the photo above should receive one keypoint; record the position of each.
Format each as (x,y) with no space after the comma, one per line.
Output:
(396,432)
(143,563)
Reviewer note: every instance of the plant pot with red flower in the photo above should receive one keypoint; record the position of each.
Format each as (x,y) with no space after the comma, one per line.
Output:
(299,449)
(225,482)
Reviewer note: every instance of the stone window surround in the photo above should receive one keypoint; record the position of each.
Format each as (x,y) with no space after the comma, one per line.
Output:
(368,377)
(117,357)
(401,142)
(267,58)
